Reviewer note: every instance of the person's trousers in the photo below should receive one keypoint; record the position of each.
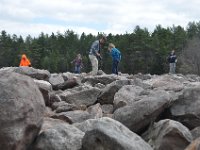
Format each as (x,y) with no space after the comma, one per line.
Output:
(115,67)
(172,68)
(94,63)
(77,69)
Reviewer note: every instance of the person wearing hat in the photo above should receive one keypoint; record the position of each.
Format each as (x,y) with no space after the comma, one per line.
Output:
(95,53)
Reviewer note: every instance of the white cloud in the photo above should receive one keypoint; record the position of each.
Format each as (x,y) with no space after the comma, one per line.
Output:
(89,16)
(35,29)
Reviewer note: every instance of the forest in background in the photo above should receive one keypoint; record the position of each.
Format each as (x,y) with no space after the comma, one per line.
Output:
(142,51)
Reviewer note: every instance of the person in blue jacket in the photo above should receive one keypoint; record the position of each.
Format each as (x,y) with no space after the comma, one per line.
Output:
(116,57)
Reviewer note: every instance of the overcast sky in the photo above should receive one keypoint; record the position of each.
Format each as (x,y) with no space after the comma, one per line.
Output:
(23,17)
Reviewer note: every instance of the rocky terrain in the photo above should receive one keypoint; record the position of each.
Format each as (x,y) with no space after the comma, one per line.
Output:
(65,111)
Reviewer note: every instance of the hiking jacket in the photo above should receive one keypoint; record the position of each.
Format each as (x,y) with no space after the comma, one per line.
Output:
(77,62)
(116,54)
(172,58)
(24,61)
(95,47)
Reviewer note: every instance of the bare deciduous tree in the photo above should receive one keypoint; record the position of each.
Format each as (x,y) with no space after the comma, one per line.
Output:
(190,57)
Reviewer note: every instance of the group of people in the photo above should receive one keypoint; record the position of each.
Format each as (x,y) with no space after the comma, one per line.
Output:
(95,56)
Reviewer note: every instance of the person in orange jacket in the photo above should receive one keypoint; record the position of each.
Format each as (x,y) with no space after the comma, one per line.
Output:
(25,61)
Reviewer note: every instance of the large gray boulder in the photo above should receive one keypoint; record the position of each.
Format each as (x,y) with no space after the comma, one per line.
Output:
(127,95)
(107,109)
(45,88)
(142,76)
(108,134)
(73,116)
(34,73)
(195,145)
(103,79)
(167,82)
(31,72)
(80,95)
(70,83)
(141,113)
(21,111)
(54,97)
(168,134)
(186,108)
(56,80)
(193,77)
(58,135)
(62,106)
(196,132)
(107,94)
(95,111)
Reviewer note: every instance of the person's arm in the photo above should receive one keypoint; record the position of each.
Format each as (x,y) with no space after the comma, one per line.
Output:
(29,63)
(120,56)
(73,61)
(98,54)
(176,59)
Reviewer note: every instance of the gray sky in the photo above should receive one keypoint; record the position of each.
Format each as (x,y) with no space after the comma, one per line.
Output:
(23,17)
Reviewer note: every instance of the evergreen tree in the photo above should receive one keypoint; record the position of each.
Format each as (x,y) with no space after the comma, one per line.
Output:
(141,50)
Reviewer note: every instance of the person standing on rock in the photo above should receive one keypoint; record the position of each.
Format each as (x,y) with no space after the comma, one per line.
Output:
(78,63)
(172,62)
(116,57)
(25,61)
(94,54)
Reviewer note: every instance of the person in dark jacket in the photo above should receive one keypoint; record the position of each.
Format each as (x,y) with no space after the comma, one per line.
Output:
(172,59)
(116,57)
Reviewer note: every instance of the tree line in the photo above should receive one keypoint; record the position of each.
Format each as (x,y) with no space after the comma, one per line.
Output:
(142,51)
